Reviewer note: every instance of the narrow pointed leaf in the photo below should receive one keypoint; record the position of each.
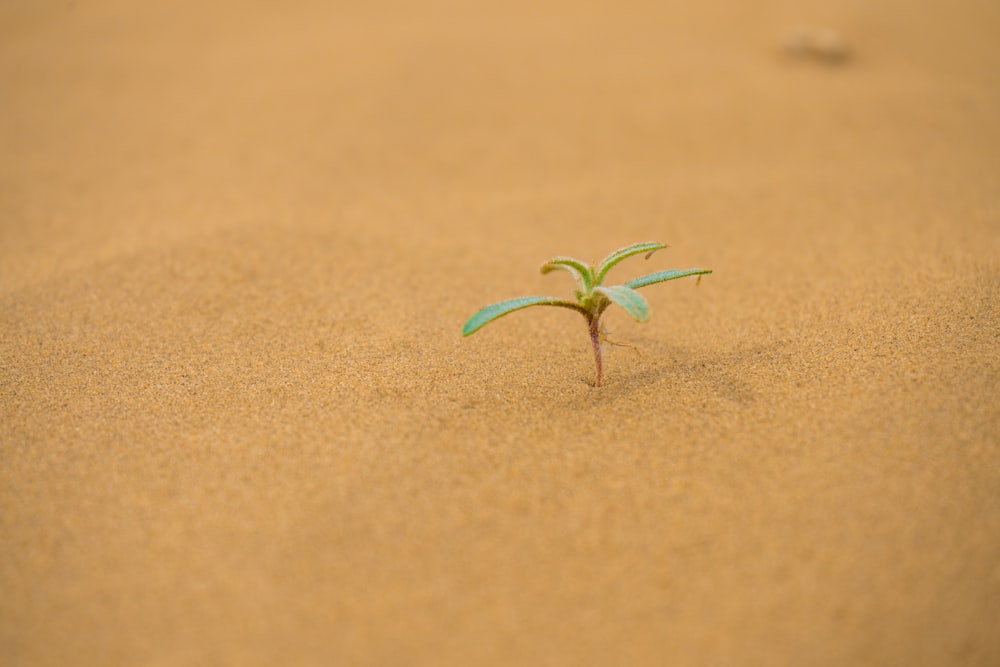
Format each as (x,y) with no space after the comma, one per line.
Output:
(580,270)
(626,297)
(624,253)
(492,312)
(663,276)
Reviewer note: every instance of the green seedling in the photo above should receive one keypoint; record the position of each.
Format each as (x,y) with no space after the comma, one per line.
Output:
(593,297)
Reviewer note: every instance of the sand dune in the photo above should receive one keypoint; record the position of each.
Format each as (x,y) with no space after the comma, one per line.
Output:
(239,425)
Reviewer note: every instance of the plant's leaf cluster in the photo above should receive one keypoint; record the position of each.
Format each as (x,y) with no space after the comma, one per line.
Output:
(593,297)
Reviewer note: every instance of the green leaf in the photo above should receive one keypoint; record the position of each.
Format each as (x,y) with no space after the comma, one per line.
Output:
(580,270)
(624,253)
(492,312)
(662,276)
(626,297)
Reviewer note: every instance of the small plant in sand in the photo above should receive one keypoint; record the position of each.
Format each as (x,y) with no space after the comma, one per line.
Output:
(593,297)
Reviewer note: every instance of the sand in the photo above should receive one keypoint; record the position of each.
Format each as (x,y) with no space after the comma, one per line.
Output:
(239,424)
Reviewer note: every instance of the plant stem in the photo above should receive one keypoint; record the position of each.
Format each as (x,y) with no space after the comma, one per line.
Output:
(595,339)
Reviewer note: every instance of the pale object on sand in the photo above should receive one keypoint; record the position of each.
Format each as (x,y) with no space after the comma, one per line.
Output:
(818,44)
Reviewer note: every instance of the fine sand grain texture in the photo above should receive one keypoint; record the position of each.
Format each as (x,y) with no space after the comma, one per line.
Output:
(239,424)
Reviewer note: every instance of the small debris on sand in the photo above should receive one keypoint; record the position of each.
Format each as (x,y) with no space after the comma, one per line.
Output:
(821,45)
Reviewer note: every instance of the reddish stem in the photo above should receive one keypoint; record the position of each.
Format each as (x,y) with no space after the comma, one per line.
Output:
(595,338)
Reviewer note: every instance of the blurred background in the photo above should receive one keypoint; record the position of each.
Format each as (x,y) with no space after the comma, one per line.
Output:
(158,115)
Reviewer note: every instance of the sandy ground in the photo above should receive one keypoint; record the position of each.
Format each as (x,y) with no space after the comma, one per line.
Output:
(238,423)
